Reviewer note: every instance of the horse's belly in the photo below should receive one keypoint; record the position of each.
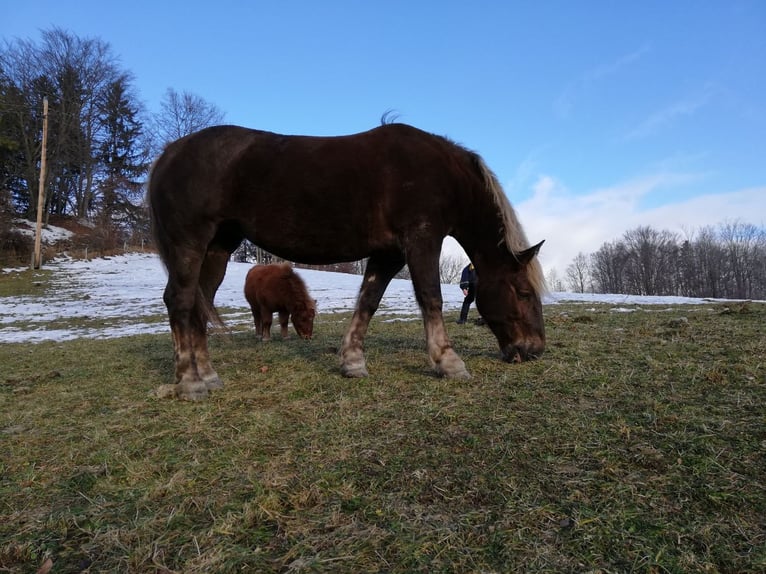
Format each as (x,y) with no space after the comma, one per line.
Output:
(316,248)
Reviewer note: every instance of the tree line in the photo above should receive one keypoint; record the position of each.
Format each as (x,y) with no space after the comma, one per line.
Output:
(726,261)
(101,138)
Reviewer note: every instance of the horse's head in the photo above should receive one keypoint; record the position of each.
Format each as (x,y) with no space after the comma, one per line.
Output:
(508,299)
(303,319)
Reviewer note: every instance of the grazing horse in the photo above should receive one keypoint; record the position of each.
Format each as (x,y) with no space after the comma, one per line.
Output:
(270,288)
(390,194)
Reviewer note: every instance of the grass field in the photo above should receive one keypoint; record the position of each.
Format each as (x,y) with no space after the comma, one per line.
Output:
(636,444)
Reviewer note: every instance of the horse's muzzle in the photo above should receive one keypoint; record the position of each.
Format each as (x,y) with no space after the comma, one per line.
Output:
(521,353)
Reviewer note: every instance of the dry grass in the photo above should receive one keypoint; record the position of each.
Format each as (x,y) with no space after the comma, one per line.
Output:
(636,444)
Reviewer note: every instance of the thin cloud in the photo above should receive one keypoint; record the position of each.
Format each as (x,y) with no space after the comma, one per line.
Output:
(565,102)
(659,120)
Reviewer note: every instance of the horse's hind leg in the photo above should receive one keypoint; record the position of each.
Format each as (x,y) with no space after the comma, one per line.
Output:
(381,268)
(424,270)
(211,277)
(187,323)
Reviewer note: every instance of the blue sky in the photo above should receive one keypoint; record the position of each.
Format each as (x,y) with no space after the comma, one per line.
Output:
(597,116)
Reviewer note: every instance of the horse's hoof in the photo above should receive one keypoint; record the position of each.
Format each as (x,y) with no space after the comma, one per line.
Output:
(451,366)
(357,372)
(196,391)
(213,383)
(457,371)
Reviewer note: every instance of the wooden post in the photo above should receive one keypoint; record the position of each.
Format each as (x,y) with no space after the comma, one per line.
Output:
(37,260)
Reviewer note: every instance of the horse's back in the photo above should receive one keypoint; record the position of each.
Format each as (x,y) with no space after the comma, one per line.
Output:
(201,151)
(207,148)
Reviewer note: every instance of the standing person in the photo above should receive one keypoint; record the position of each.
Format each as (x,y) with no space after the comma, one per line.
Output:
(468,285)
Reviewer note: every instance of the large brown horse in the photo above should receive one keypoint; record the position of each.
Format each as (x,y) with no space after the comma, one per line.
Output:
(390,194)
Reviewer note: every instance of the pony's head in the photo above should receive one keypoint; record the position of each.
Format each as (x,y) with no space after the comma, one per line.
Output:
(303,319)
(509,300)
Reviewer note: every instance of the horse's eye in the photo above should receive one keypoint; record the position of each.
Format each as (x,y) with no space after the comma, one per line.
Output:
(524,295)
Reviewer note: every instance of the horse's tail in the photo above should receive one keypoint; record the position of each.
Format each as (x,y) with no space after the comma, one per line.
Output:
(158,231)
(206,311)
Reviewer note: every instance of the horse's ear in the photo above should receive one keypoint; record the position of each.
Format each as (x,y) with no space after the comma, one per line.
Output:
(526,256)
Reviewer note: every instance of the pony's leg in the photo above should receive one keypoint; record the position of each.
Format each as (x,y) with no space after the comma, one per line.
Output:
(257,321)
(266,318)
(424,270)
(211,277)
(186,324)
(284,317)
(378,274)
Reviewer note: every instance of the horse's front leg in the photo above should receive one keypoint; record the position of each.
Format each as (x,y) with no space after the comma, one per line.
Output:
(381,268)
(444,360)
(424,270)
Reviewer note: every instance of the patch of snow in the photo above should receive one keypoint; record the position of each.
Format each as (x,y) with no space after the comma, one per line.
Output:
(49,234)
(122,295)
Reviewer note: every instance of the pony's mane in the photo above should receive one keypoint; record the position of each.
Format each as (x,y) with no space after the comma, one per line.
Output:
(296,287)
(513,233)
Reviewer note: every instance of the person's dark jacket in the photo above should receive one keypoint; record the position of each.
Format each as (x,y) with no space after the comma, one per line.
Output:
(468,277)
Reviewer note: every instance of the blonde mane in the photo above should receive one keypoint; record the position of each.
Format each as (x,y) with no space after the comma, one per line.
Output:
(513,233)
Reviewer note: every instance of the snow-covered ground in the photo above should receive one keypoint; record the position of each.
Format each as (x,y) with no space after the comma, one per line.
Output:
(118,296)
(49,234)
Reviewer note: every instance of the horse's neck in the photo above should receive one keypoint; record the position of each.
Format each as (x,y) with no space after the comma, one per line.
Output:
(483,247)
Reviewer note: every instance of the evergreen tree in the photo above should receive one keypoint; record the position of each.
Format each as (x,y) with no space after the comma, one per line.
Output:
(123,158)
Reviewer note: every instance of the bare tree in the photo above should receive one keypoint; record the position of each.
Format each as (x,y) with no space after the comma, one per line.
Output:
(183,114)
(650,256)
(741,243)
(450,267)
(709,263)
(578,273)
(607,267)
(553,281)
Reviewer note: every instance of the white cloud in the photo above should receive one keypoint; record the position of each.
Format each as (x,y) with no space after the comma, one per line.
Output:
(571,223)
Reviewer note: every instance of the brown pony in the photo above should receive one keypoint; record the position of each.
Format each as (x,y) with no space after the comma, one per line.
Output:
(270,288)
(390,194)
